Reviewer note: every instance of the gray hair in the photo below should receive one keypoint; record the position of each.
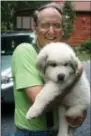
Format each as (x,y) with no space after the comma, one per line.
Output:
(50,5)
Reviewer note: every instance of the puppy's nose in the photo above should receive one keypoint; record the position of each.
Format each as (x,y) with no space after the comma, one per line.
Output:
(61,77)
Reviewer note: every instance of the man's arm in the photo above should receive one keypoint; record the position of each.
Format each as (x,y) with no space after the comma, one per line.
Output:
(32,92)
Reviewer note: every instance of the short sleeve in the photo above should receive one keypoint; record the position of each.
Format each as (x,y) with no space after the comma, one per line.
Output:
(24,68)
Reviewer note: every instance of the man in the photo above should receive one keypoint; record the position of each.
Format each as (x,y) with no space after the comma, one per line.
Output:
(27,79)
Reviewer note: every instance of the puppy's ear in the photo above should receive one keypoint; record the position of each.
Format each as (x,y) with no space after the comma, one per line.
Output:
(41,60)
(74,62)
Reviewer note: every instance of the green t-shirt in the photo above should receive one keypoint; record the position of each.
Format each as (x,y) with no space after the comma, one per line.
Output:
(26,75)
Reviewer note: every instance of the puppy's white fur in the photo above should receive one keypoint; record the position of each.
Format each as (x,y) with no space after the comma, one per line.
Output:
(58,64)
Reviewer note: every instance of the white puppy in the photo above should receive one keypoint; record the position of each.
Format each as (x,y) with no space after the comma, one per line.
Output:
(58,64)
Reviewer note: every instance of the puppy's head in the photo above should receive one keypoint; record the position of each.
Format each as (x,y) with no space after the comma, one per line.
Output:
(57,62)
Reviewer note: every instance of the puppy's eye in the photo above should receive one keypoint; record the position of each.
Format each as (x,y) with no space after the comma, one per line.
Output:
(66,64)
(53,64)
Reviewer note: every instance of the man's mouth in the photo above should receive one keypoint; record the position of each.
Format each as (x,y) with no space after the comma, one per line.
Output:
(49,38)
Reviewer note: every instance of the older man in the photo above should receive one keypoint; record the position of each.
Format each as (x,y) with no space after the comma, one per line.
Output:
(27,79)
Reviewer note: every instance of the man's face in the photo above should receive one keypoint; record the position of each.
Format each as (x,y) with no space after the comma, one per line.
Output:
(49,27)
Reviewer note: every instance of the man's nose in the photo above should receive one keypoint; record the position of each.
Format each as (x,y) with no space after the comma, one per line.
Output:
(51,29)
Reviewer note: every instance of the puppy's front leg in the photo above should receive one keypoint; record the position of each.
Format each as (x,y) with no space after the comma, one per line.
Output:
(46,95)
(63,125)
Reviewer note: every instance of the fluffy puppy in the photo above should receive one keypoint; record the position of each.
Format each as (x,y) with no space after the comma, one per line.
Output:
(58,64)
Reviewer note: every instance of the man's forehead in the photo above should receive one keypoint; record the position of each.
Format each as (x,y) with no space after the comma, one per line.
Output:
(49,11)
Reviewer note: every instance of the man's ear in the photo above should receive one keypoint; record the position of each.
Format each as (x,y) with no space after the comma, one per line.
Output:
(41,61)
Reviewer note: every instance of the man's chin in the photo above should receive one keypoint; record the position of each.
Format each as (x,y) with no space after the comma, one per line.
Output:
(50,41)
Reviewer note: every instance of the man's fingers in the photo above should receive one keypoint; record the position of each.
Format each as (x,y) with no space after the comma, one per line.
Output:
(76,121)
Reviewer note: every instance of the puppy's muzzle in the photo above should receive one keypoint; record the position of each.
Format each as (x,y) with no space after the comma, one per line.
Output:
(61,77)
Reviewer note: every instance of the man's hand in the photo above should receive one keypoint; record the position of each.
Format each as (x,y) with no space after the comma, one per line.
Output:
(76,121)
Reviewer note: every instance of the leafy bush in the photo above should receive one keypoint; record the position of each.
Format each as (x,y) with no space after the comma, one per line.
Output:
(69,15)
(86,46)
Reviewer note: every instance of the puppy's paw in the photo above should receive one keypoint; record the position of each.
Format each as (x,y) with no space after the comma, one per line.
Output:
(33,112)
(30,114)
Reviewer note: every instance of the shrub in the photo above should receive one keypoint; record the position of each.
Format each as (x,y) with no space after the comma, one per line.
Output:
(86,46)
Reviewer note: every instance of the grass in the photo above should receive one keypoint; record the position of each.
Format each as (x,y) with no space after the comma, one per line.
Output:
(83,56)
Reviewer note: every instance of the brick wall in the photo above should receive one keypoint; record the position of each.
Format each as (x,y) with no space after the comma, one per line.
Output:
(82,29)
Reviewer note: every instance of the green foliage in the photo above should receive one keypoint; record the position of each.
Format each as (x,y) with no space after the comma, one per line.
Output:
(7,15)
(86,46)
(68,19)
